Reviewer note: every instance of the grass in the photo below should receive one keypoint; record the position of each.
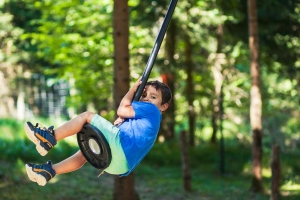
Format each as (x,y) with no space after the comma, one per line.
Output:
(158,177)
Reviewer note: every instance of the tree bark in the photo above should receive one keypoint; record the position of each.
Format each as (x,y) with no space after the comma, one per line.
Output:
(190,89)
(124,186)
(222,145)
(275,166)
(256,102)
(218,60)
(167,125)
(185,162)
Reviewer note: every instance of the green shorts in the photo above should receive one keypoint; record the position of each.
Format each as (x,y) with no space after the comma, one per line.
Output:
(118,163)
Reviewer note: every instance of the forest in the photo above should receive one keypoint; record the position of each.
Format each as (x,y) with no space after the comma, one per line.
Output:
(231,130)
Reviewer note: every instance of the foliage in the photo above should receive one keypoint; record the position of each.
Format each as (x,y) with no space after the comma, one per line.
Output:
(73,40)
(66,38)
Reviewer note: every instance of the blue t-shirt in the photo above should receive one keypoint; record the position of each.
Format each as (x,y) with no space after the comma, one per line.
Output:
(138,134)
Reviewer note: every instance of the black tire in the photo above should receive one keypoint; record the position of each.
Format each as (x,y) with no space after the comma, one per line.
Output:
(101,160)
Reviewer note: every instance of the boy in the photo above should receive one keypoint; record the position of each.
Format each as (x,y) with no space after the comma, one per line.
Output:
(129,142)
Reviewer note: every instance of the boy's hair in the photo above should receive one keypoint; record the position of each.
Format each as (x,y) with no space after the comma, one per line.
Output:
(166,93)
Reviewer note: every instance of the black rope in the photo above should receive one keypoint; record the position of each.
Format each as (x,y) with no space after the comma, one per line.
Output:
(155,50)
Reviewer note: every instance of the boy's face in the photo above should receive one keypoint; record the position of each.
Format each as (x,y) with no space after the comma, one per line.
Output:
(154,96)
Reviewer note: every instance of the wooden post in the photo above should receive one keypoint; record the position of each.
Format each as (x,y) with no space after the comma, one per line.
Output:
(185,162)
(275,166)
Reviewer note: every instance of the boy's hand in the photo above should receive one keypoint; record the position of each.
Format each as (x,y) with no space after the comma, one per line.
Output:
(119,120)
(136,85)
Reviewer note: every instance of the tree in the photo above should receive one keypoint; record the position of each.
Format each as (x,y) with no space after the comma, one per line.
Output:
(218,80)
(256,102)
(190,89)
(123,186)
(275,167)
(168,121)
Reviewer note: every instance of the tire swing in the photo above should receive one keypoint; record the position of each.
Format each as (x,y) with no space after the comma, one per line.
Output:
(94,146)
(91,140)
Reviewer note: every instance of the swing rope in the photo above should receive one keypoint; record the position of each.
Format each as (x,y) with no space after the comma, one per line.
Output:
(155,49)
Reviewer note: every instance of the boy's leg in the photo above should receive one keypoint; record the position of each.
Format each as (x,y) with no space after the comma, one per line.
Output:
(45,139)
(45,172)
(70,164)
(73,126)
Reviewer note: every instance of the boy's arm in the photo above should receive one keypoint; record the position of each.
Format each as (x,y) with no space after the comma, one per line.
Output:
(125,109)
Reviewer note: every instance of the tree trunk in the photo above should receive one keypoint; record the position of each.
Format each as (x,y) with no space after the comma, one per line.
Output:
(190,89)
(214,125)
(275,166)
(21,104)
(218,60)
(298,87)
(6,97)
(168,120)
(185,162)
(256,102)
(222,145)
(123,187)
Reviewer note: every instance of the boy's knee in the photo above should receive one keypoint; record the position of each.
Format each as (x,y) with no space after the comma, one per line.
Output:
(89,116)
(80,158)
